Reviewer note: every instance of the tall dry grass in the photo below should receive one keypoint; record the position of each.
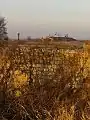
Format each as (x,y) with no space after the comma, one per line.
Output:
(28,93)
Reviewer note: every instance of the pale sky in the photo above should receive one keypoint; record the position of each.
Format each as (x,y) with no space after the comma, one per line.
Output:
(38,18)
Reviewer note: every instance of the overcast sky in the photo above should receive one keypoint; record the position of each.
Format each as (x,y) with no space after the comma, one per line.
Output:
(38,18)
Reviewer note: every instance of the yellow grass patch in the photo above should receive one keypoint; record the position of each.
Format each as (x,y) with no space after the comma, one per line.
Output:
(19,79)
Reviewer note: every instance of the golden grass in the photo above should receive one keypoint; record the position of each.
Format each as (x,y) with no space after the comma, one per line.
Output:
(30,94)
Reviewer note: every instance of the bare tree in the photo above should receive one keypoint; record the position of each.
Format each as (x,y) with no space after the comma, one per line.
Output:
(3,29)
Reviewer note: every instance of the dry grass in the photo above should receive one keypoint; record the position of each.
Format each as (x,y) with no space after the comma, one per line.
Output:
(44,83)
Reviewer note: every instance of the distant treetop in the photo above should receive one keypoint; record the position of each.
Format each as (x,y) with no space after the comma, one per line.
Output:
(3,28)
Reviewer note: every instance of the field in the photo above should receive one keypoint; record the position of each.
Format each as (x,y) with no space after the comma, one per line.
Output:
(45,80)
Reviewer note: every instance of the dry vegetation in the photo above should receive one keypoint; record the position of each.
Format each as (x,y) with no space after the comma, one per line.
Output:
(44,82)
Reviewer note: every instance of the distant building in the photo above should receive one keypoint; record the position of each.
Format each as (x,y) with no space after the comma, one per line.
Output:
(63,38)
